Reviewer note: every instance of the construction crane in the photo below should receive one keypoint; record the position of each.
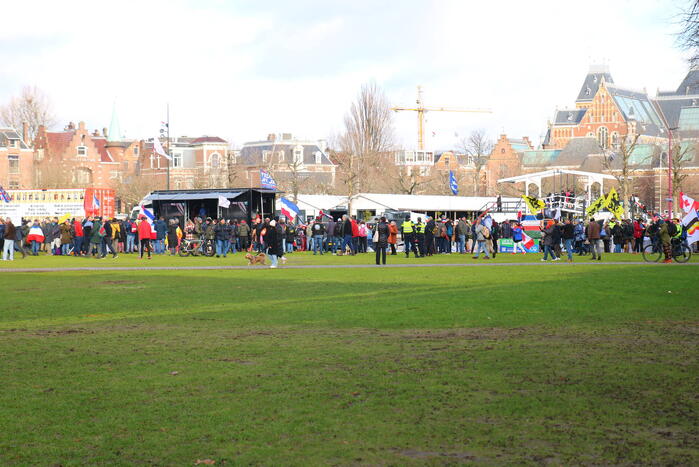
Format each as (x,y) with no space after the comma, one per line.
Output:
(421,109)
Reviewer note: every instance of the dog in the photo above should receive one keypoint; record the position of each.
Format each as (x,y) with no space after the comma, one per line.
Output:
(257,259)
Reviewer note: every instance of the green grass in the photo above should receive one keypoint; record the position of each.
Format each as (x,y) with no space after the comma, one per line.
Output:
(298,258)
(508,365)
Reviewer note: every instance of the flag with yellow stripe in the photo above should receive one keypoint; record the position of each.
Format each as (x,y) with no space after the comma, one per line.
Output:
(534,204)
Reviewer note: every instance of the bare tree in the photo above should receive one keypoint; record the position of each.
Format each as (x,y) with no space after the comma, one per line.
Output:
(619,164)
(683,153)
(368,136)
(478,147)
(409,180)
(131,190)
(689,34)
(33,107)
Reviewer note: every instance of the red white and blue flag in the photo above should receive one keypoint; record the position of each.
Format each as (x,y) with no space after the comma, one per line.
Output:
(95,203)
(148,212)
(289,209)
(5,195)
(35,234)
(530,223)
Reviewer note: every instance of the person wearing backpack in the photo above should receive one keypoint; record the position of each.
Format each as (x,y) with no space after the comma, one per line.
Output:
(481,231)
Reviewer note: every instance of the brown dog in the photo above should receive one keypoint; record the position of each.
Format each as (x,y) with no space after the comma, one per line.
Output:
(257,259)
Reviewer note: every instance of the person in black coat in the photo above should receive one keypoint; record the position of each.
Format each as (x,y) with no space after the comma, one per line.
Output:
(381,243)
(273,242)
(172,239)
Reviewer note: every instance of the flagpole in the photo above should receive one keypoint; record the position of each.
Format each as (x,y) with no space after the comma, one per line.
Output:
(168,145)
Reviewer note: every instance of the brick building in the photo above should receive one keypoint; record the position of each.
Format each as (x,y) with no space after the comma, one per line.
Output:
(16,160)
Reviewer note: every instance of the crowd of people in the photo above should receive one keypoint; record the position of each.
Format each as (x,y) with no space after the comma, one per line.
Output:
(96,237)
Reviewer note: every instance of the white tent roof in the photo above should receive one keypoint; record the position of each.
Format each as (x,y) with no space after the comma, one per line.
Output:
(381,202)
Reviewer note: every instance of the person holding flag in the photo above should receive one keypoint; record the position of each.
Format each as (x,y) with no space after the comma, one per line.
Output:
(517,237)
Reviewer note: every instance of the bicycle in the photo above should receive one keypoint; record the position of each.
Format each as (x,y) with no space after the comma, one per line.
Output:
(196,247)
(654,252)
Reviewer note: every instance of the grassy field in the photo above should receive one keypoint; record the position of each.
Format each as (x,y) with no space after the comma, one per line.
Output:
(503,365)
(295,259)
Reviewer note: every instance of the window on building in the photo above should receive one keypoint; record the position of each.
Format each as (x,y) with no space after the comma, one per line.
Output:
(280,156)
(135,150)
(265,156)
(152,161)
(215,160)
(158,159)
(13,164)
(14,185)
(40,154)
(14,143)
(126,166)
(298,155)
(603,137)
(319,157)
(177,159)
(82,151)
(82,176)
(615,140)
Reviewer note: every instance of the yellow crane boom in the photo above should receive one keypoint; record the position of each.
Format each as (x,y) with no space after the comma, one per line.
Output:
(421,109)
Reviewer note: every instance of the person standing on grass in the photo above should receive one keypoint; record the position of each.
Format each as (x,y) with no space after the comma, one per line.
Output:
(66,237)
(172,239)
(481,232)
(381,235)
(548,241)
(638,229)
(393,237)
(517,239)
(35,237)
(273,243)
(115,236)
(665,240)
(8,247)
(144,235)
(317,230)
(594,237)
(568,235)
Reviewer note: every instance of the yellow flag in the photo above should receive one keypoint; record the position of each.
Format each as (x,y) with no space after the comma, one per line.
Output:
(613,205)
(534,204)
(64,218)
(598,204)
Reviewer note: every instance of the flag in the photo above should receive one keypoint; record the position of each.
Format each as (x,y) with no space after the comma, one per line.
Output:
(534,204)
(691,226)
(527,241)
(596,206)
(223,202)
(35,234)
(488,222)
(325,214)
(5,195)
(519,216)
(64,218)
(531,223)
(453,184)
(95,202)
(688,204)
(158,149)
(613,205)
(266,180)
(289,209)
(148,212)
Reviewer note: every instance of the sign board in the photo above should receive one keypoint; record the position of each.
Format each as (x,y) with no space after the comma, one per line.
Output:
(40,204)
(506,245)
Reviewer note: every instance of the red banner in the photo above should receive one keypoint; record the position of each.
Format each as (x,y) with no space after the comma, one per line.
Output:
(99,202)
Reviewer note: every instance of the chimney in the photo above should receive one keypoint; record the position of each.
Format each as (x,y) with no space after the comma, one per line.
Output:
(105,133)
(96,133)
(25,133)
(286,136)
(81,125)
(71,126)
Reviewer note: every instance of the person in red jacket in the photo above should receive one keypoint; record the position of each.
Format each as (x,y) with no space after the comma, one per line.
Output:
(355,235)
(638,229)
(144,235)
(78,237)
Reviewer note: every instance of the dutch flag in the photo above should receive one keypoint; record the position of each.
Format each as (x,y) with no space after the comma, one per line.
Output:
(289,209)
(148,212)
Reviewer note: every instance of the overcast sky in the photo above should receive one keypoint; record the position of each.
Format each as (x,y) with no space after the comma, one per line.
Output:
(242,69)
